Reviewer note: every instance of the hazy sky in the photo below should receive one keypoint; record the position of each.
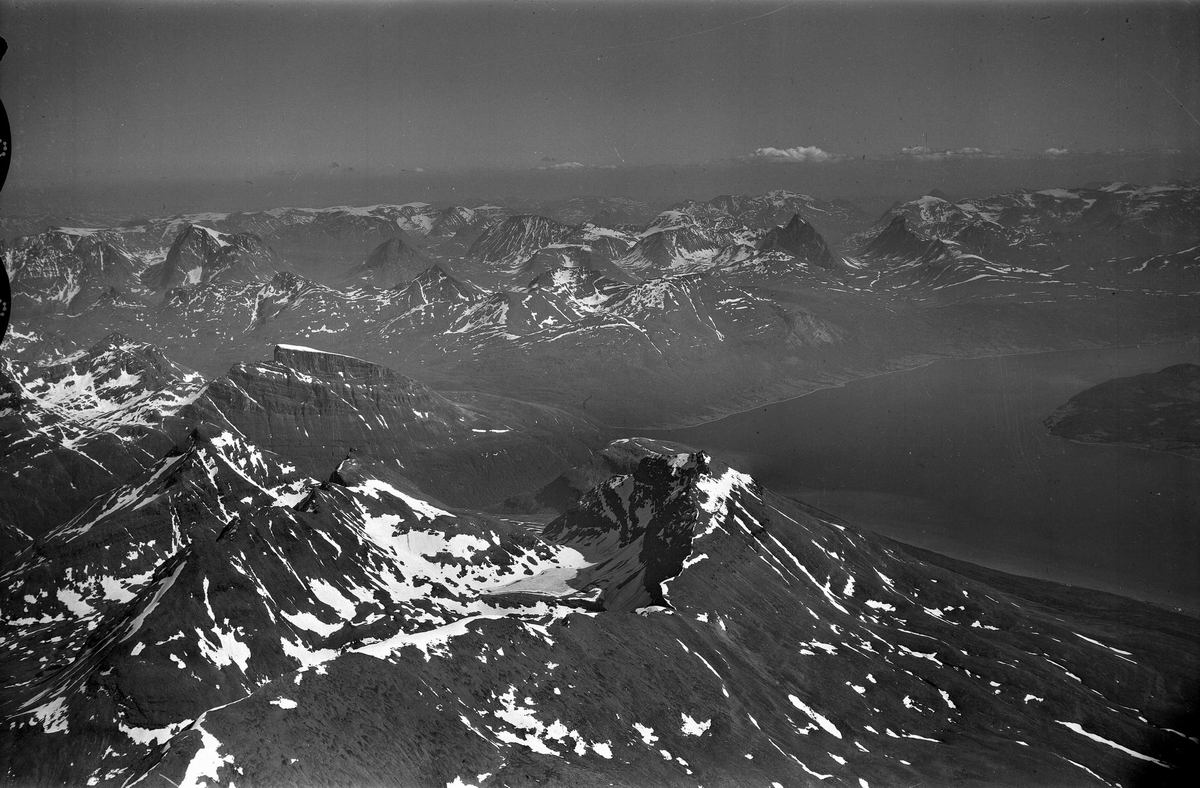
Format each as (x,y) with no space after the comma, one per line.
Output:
(179,89)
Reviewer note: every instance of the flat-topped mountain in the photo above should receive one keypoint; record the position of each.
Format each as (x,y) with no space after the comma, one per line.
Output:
(316,408)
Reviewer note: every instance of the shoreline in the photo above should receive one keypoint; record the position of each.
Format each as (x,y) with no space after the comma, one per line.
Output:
(931,362)
(875,519)
(1122,445)
(1191,610)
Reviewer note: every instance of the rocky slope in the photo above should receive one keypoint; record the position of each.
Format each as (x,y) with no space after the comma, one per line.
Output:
(317,408)
(200,254)
(77,428)
(67,269)
(502,249)
(223,620)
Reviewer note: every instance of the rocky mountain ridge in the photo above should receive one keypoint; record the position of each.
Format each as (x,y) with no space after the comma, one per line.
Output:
(679,623)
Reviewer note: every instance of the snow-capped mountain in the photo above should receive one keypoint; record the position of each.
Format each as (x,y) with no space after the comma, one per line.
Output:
(602,242)
(582,256)
(503,248)
(578,283)
(1048,228)
(898,244)
(472,317)
(428,304)
(65,269)
(81,425)
(899,259)
(207,543)
(675,242)
(282,572)
(220,620)
(775,208)
(460,220)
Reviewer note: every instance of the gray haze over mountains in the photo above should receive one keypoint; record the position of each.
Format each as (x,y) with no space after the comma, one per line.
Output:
(168,95)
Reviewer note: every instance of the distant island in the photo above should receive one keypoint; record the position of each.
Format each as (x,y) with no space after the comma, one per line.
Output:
(1158,410)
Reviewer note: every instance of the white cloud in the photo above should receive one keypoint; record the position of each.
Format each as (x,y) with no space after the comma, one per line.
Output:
(923,153)
(574,165)
(802,153)
(1056,151)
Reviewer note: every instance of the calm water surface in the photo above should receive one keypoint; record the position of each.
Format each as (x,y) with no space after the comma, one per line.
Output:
(953,457)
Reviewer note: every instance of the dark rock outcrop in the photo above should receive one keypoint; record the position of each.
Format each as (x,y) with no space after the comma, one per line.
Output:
(896,243)
(394,262)
(200,255)
(1158,410)
(800,240)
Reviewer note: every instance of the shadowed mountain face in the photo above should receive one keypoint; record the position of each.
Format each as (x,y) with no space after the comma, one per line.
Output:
(800,240)
(899,244)
(201,255)
(1159,410)
(395,261)
(679,618)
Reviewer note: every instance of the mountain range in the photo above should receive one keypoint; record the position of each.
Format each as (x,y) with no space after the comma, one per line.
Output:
(352,495)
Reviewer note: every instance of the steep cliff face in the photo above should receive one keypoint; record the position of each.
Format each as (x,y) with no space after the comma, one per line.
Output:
(316,407)
(636,530)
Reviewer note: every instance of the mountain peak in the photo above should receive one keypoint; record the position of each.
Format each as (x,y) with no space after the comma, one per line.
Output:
(200,254)
(800,240)
(898,242)
(397,259)
(637,530)
(513,241)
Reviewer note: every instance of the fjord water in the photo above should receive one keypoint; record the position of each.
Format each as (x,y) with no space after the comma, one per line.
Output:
(953,457)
